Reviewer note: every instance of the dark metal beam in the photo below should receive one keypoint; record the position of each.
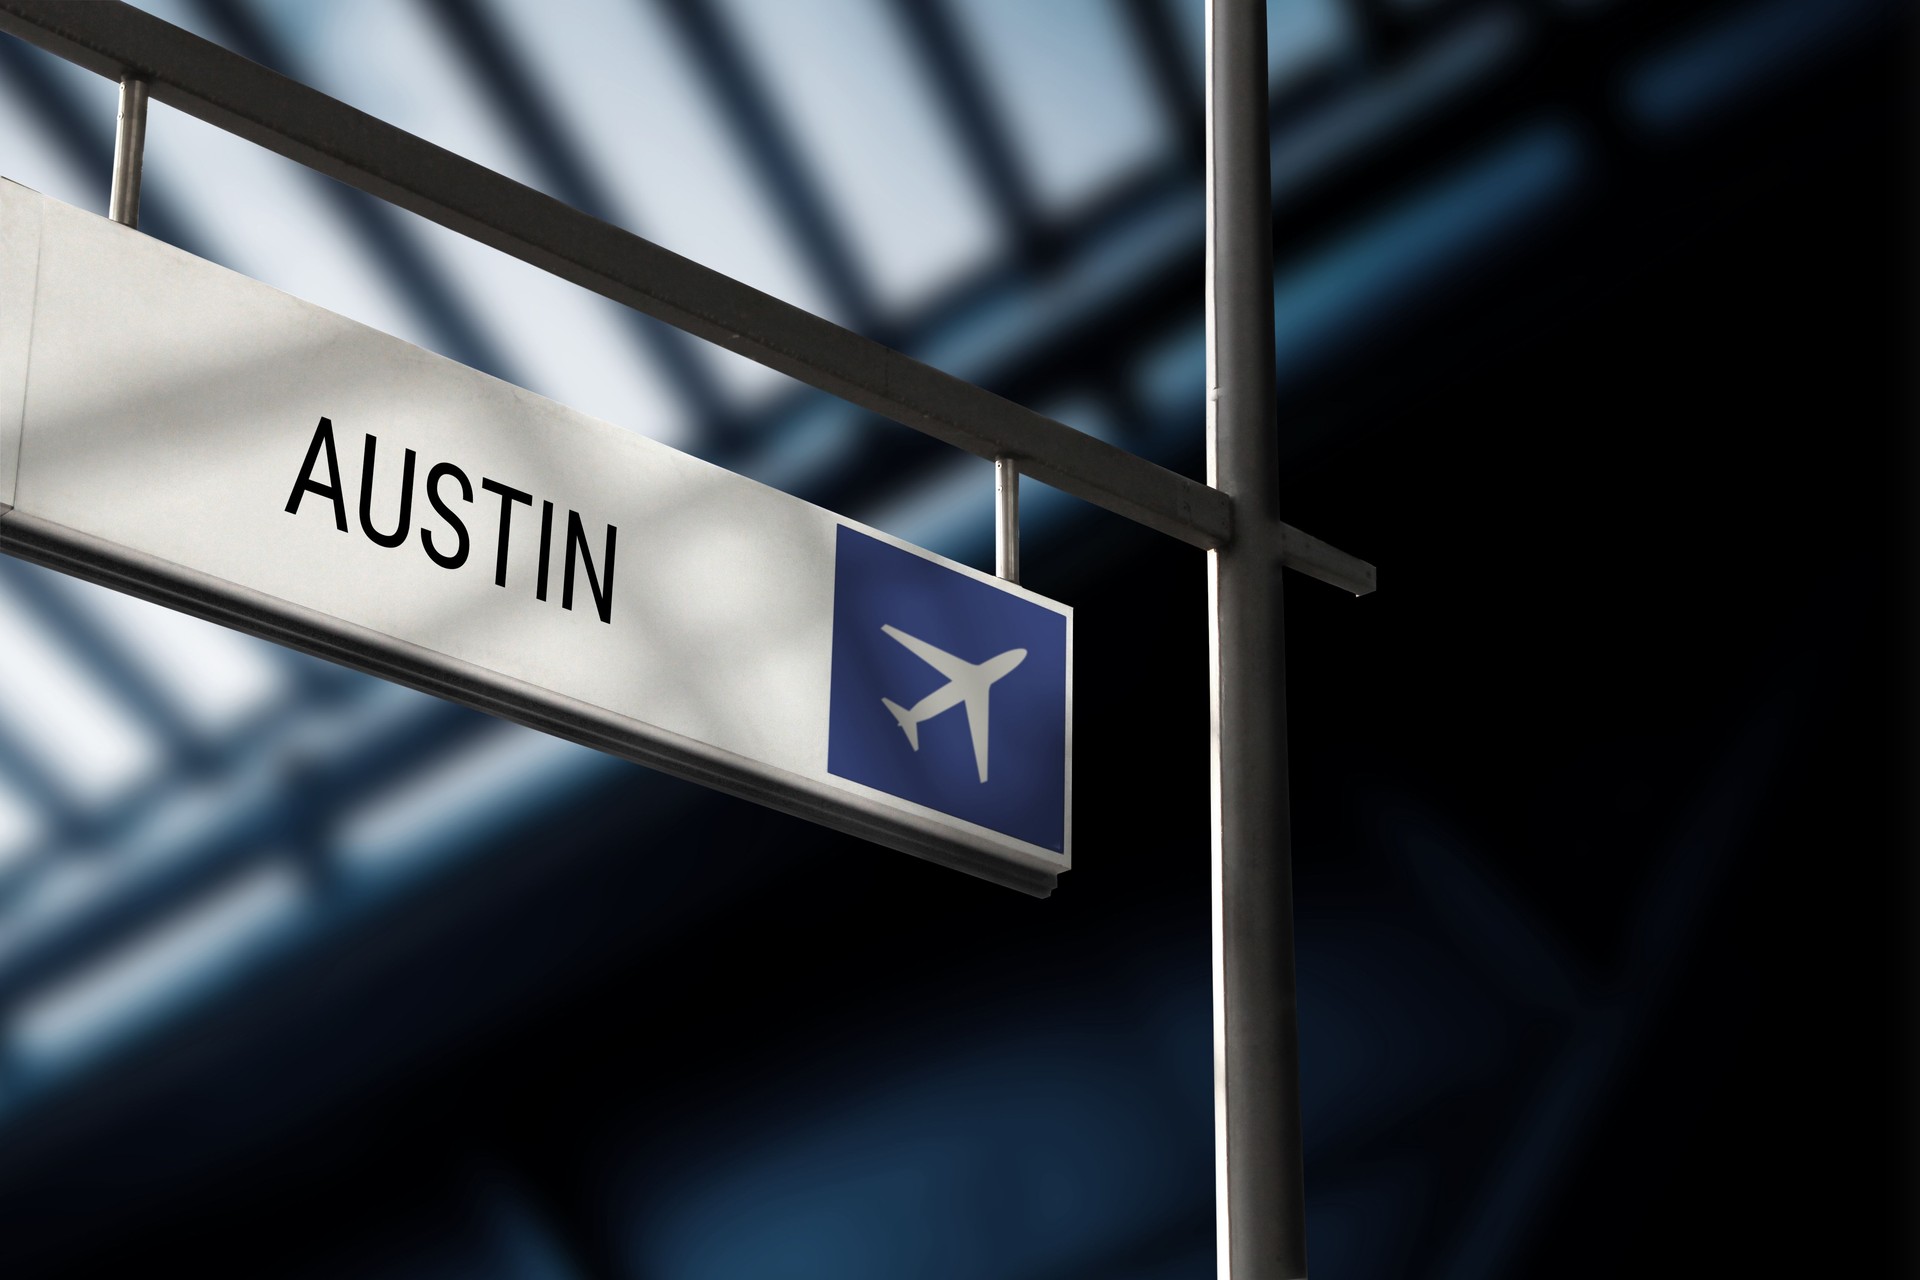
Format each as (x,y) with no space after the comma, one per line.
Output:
(290,119)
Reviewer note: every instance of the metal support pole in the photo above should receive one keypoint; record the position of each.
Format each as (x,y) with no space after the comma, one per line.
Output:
(1006,518)
(1259,1205)
(129,142)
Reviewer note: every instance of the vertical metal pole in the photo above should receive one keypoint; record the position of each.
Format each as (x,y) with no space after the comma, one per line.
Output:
(129,143)
(1006,518)
(1260,1208)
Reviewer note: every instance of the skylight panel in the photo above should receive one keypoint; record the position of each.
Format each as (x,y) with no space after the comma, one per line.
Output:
(253,211)
(219,679)
(1073,95)
(1302,35)
(155,973)
(262,215)
(465,796)
(63,713)
(30,156)
(563,341)
(551,336)
(560,340)
(388,60)
(22,824)
(859,104)
(627,88)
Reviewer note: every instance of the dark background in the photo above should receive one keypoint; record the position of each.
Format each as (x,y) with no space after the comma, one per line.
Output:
(1600,835)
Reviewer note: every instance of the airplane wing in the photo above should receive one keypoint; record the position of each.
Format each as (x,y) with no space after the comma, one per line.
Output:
(976,703)
(939,659)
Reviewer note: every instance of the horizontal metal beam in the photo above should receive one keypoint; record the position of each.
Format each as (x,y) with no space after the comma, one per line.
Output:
(1307,554)
(200,78)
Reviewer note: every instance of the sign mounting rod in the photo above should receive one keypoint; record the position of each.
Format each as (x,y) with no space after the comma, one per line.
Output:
(1006,518)
(129,149)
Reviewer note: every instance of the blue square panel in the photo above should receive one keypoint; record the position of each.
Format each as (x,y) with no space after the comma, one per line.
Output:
(948,691)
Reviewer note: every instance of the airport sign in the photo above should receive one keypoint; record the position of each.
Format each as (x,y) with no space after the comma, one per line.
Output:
(180,432)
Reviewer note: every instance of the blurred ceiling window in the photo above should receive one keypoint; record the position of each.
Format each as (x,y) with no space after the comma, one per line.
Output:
(21,826)
(150,974)
(219,679)
(678,173)
(866,121)
(72,723)
(279,233)
(1072,91)
(30,156)
(1303,36)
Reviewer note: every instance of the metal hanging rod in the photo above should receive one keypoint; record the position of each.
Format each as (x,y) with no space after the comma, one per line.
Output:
(1006,518)
(129,147)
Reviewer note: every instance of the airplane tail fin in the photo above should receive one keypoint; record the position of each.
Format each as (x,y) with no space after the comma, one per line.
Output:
(908,724)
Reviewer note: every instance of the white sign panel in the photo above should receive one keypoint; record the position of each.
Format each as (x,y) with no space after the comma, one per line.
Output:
(192,436)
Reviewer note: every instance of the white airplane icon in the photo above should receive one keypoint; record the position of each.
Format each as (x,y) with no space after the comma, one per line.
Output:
(967,682)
